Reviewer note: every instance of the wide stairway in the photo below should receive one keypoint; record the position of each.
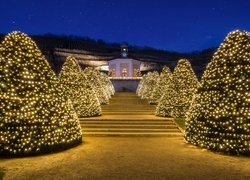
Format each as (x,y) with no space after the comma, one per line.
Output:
(128,115)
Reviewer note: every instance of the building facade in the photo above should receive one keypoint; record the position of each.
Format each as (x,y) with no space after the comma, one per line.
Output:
(124,66)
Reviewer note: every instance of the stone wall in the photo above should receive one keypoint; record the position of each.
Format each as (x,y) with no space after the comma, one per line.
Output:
(125,85)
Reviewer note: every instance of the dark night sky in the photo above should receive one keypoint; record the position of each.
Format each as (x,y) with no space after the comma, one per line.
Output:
(179,25)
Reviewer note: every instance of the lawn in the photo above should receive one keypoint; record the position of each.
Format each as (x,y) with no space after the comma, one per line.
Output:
(1,173)
(181,122)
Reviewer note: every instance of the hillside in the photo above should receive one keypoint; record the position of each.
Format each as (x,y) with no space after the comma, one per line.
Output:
(103,50)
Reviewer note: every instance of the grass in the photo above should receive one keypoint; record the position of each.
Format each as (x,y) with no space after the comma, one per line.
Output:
(181,122)
(1,173)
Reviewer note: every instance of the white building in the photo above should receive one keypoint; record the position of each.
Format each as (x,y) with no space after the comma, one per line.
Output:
(124,66)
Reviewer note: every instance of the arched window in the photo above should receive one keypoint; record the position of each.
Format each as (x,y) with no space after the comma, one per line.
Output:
(124,72)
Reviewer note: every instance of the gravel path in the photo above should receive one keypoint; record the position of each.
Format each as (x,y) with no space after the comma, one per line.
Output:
(129,158)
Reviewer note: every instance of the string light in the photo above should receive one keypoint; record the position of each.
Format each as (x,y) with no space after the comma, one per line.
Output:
(177,97)
(161,85)
(141,85)
(100,83)
(76,88)
(147,85)
(36,116)
(219,118)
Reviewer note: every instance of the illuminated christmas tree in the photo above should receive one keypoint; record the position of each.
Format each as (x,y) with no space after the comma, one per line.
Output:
(161,85)
(141,85)
(149,84)
(186,84)
(220,115)
(76,88)
(178,96)
(93,78)
(106,84)
(166,102)
(36,117)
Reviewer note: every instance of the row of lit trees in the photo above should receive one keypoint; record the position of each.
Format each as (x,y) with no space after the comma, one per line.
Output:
(87,89)
(147,84)
(178,95)
(217,110)
(78,89)
(171,92)
(219,118)
(39,111)
(100,83)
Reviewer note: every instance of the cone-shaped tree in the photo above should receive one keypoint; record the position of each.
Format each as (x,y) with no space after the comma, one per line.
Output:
(141,85)
(36,117)
(76,88)
(144,86)
(166,102)
(186,83)
(220,115)
(93,78)
(105,79)
(162,84)
(150,82)
(105,84)
(177,98)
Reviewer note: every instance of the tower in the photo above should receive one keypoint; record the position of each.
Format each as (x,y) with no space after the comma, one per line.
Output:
(124,51)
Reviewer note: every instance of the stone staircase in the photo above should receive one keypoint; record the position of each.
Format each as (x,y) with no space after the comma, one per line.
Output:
(128,115)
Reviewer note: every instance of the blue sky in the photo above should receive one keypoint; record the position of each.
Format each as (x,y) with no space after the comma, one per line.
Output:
(178,25)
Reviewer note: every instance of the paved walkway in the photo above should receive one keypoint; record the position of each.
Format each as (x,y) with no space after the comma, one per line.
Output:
(132,158)
(120,158)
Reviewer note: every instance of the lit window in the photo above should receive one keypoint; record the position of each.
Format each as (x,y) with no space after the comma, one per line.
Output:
(136,72)
(124,72)
(113,73)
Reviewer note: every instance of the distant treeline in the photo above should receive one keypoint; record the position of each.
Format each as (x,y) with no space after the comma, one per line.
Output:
(48,42)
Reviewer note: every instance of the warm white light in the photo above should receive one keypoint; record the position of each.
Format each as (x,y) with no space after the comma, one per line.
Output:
(219,117)
(36,116)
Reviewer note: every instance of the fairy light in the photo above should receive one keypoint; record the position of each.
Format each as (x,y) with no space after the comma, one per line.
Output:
(161,85)
(141,85)
(107,84)
(219,118)
(76,88)
(36,117)
(147,85)
(100,83)
(177,98)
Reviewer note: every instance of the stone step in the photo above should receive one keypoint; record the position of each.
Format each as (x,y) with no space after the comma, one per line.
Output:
(128,130)
(135,104)
(129,100)
(127,110)
(141,134)
(125,121)
(125,94)
(128,115)
(126,98)
(125,113)
(128,103)
(129,125)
